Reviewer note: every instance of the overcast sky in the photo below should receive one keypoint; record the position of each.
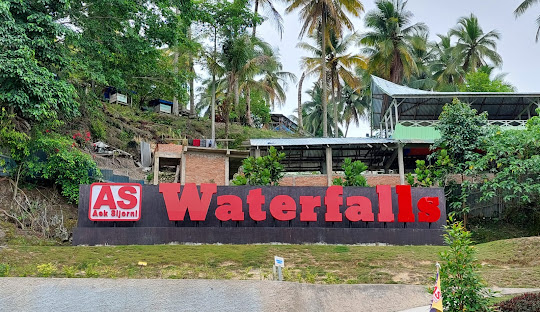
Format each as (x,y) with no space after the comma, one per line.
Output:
(517,45)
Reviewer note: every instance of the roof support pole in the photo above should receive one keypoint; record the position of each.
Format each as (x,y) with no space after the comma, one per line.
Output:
(183,167)
(257,152)
(329,170)
(386,126)
(401,164)
(391,121)
(396,111)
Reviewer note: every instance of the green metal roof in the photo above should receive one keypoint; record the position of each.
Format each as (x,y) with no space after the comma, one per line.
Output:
(415,133)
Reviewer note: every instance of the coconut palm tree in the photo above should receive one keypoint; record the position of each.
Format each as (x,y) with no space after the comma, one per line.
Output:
(318,16)
(424,55)
(522,8)
(340,65)
(355,106)
(313,114)
(473,45)
(273,14)
(387,41)
(446,67)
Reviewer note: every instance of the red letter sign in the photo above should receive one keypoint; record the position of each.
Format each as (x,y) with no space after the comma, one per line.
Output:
(404,203)
(189,200)
(429,209)
(385,203)
(115,202)
(333,201)
(283,208)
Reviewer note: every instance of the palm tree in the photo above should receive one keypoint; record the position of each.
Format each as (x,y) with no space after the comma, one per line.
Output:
(424,54)
(475,46)
(318,16)
(313,114)
(355,106)
(275,17)
(387,42)
(446,67)
(340,65)
(524,6)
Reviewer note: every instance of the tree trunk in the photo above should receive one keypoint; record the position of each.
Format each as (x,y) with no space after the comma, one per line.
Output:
(323,67)
(255,10)
(334,104)
(214,93)
(300,122)
(191,79)
(248,107)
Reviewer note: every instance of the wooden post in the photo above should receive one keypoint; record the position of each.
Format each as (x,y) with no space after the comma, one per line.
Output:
(329,166)
(183,167)
(226,170)
(401,164)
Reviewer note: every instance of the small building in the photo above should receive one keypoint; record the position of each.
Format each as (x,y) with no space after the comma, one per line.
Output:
(280,122)
(161,106)
(198,164)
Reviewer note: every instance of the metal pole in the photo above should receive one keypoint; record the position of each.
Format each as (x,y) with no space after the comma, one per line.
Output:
(401,165)
(280,275)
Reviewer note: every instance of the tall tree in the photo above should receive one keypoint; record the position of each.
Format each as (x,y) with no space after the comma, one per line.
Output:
(318,16)
(446,67)
(273,14)
(473,45)
(313,114)
(340,66)
(34,63)
(522,8)
(355,106)
(389,53)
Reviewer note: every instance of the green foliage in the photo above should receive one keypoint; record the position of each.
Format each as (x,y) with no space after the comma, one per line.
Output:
(266,170)
(98,129)
(32,59)
(66,165)
(353,174)
(47,156)
(430,175)
(510,167)
(461,285)
(4,269)
(46,269)
(462,133)
(480,82)
(525,302)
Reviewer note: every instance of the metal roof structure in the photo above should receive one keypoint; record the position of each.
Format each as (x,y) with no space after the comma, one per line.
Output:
(308,154)
(413,104)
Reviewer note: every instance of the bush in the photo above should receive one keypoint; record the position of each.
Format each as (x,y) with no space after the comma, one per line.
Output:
(98,129)
(66,165)
(461,285)
(266,170)
(353,174)
(4,269)
(46,270)
(525,302)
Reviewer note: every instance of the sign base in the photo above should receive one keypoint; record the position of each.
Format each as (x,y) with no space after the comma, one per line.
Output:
(253,235)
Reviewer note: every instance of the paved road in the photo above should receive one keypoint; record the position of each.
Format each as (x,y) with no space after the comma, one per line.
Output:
(51,294)
(42,294)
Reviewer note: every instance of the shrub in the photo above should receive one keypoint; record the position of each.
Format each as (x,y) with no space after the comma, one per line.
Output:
(353,174)
(46,269)
(98,129)
(461,285)
(525,302)
(266,170)
(4,269)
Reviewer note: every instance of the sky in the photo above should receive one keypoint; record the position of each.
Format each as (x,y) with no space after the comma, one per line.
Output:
(517,46)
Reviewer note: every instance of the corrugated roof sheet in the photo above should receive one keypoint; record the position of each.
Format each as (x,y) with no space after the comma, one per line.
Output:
(318,141)
(427,105)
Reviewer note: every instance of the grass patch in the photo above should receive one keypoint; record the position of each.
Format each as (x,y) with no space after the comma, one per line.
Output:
(507,263)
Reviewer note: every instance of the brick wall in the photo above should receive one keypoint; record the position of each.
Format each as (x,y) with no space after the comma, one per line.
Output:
(320,180)
(205,168)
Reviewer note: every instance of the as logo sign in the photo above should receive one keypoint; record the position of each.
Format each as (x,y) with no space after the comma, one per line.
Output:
(115,202)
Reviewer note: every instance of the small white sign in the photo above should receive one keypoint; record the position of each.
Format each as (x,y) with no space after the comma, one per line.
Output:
(279,262)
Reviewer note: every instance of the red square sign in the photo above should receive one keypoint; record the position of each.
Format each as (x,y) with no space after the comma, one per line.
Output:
(115,202)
